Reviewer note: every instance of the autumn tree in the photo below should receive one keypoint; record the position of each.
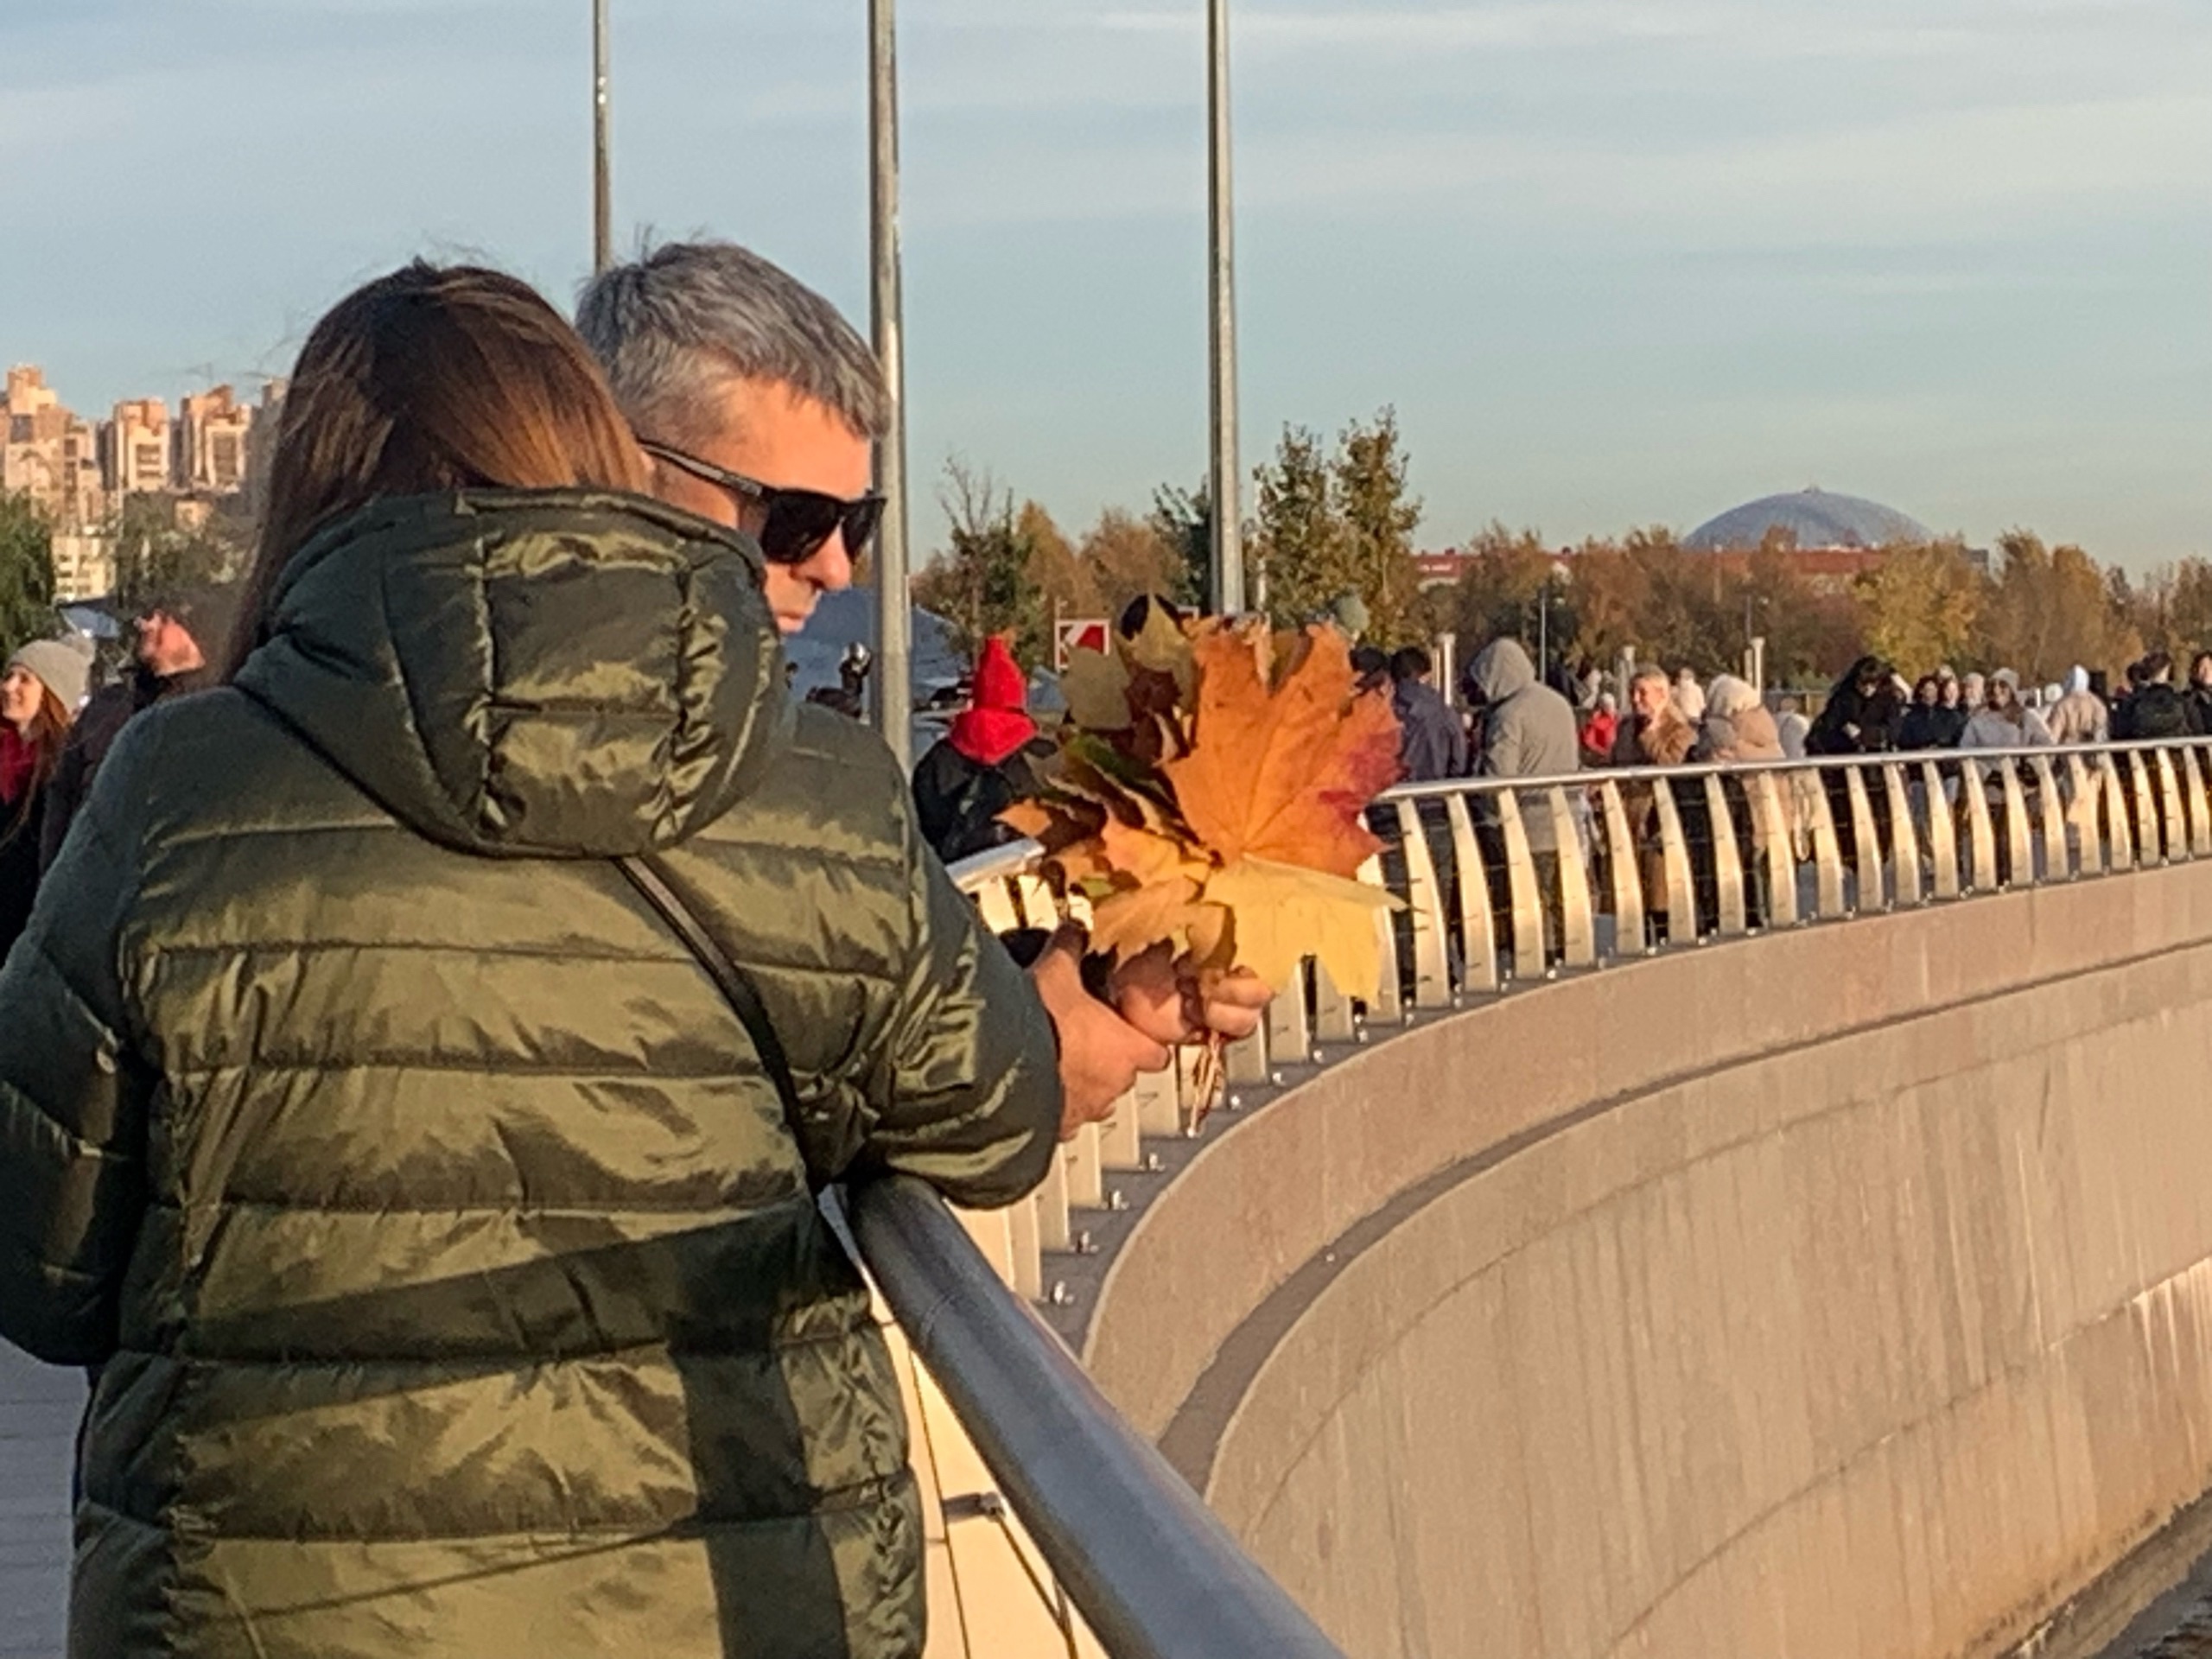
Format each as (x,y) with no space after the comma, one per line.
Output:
(1513,587)
(2171,609)
(1128,556)
(1920,607)
(2049,609)
(26,573)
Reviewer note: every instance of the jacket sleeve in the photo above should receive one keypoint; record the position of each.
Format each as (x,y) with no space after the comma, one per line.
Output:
(972,1102)
(73,1104)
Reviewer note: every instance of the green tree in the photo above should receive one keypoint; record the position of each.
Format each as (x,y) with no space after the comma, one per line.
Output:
(1184,520)
(980,582)
(156,548)
(1921,606)
(1378,518)
(1302,563)
(26,573)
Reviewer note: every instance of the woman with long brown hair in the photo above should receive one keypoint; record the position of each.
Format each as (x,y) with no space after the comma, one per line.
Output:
(39,694)
(435,1038)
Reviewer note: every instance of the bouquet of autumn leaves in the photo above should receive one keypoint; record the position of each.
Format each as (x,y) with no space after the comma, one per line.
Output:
(1210,796)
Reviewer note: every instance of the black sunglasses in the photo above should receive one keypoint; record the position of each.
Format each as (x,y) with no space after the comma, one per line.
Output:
(797,522)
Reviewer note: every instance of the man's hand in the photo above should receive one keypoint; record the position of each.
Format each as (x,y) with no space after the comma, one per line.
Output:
(1169,1009)
(1100,1053)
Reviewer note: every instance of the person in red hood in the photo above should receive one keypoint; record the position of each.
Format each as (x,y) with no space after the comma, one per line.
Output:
(982,766)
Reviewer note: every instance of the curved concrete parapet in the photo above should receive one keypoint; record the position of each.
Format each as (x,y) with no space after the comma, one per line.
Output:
(1846,1291)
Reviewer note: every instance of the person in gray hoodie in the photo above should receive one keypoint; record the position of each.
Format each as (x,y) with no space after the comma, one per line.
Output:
(1528,731)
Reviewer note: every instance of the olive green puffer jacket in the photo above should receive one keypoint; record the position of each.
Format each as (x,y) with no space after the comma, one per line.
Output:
(454,1271)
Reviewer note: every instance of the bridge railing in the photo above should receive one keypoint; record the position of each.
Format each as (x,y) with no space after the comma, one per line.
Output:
(1151,1571)
(1506,881)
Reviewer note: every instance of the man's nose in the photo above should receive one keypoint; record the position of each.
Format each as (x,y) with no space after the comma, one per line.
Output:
(831,568)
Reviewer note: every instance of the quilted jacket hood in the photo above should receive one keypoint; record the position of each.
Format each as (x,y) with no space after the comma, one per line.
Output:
(551,673)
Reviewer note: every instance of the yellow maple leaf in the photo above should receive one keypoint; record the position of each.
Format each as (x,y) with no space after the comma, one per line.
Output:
(1284,774)
(1130,920)
(1282,914)
(1096,685)
(1164,646)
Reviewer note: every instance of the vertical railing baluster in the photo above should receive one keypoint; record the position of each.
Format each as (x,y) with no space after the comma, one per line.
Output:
(1728,862)
(2019,859)
(2050,816)
(1390,1004)
(1578,946)
(2150,846)
(1779,850)
(1866,844)
(1674,855)
(1526,893)
(2171,816)
(1431,987)
(1478,932)
(1905,837)
(1974,788)
(2120,830)
(1827,851)
(1627,874)
(2200,808)
(1942,832)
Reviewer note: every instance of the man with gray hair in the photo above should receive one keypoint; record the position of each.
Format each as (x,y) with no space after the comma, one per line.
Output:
(759,407)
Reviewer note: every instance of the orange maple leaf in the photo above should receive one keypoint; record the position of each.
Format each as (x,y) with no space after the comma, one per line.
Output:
(1284,775)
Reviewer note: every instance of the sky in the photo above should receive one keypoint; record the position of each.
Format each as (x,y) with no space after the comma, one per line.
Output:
(1613,262)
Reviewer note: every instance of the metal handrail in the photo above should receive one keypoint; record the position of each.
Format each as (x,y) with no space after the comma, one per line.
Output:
(1153,1574)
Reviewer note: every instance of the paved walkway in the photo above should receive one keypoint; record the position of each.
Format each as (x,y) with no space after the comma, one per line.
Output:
(38,1407)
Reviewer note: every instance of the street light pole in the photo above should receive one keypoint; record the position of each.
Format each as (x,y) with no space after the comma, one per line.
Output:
(1227,486)
(602,216)
(894,694)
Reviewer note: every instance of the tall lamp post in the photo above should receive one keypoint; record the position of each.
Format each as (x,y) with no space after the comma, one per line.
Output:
(894,694)
(1227,481)
(602,195)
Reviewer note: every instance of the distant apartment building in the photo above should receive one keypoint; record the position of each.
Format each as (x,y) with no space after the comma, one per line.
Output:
(83,567)
(214,440)
(47,454)
(136,443)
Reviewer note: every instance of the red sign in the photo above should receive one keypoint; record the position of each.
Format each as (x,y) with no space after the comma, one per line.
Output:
(1088,634)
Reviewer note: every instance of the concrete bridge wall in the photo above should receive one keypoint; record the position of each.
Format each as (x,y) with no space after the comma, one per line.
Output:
(1842,1293)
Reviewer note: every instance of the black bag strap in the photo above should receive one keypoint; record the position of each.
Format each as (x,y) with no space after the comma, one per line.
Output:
(730,979)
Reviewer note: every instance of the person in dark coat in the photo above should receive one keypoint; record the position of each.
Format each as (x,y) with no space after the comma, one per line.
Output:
(43,683)
(1931,722)
(180,631)
(1864,714)
(2200,691)
(2155,711)
(1432,740)
(453,1262)
(982,766)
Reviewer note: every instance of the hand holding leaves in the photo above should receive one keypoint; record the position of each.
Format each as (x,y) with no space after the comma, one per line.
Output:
(1210,798)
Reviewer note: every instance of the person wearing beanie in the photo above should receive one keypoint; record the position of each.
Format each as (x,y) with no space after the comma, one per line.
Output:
(982,766)
(184,633)
(44,682)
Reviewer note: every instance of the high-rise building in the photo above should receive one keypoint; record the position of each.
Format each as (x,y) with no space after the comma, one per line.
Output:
(212,434)
(47,454)
(135,448)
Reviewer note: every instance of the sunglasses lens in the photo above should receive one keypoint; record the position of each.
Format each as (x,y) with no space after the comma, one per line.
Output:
(861,520)
(800,521)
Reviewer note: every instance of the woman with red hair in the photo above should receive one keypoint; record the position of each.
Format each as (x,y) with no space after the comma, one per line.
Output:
(980,767)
